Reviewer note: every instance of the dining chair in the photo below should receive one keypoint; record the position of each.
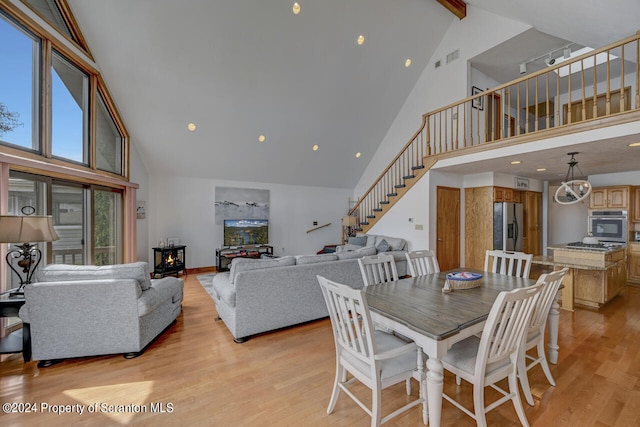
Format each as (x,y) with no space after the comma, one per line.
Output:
(485,360)
(509,263)
(422,262)
(534,336)
(380,268)
(374,358)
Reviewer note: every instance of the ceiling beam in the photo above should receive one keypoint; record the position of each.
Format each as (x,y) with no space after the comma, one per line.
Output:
(457,7)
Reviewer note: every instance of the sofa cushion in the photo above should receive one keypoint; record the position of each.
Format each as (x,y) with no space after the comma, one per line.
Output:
(74,273)
(357,240)
(246,264)
(383,246)
(311,259)
(223,289)
(396,243)
(358,253)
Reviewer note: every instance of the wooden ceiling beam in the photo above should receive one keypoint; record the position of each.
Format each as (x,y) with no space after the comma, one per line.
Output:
(457,7)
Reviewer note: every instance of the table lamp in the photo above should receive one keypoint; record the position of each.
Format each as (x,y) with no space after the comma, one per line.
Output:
(28,228)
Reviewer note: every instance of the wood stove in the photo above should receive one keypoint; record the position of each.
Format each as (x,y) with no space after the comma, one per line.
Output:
(169,260)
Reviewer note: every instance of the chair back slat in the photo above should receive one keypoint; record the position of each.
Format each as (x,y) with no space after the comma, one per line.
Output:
(509,263)
(421,263)
(350,319)
(553,281)
(508,319)
(377,269)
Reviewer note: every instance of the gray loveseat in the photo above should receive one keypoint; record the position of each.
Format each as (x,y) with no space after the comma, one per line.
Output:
(257,296)
(77,310)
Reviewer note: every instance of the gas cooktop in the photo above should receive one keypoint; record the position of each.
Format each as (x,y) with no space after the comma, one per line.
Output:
(594,246)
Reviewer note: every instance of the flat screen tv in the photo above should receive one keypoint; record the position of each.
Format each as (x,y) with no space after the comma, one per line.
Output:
(238,232)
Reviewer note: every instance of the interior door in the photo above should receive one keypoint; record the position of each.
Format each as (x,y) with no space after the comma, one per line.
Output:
(448,227)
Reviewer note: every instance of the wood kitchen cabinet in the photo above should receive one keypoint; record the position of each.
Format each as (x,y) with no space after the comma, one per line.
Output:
(635,215)
(532,230)
(503,194)
(609,197)
(634,262)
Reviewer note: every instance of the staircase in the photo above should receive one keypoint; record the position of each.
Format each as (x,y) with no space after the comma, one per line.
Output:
(569,97)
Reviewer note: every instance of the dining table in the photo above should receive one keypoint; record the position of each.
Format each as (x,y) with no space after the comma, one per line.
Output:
(417,308)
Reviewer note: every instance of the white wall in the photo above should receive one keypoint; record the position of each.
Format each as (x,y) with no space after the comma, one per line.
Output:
(437,87)
(138,174)
(185,208)
(566,223)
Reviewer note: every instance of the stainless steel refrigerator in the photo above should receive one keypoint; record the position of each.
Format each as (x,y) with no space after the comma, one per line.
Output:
(507,226)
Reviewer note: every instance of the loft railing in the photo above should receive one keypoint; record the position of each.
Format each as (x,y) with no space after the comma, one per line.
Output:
(598,84)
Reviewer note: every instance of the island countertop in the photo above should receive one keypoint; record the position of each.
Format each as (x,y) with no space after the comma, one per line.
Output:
(563,246)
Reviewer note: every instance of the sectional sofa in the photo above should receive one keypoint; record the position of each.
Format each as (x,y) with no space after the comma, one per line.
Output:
(257,296)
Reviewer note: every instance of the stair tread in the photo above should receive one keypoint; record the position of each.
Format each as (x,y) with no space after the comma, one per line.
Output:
(392,194)
(408,176)
(417,167)
(399,186)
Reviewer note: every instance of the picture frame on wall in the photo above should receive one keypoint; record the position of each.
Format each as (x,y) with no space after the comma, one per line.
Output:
(173,241)
(477,103)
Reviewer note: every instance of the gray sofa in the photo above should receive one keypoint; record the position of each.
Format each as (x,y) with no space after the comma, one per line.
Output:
(257,296)
(76,311)
(394,246)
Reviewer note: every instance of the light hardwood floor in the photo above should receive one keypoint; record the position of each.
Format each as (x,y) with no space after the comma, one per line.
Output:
(202,378)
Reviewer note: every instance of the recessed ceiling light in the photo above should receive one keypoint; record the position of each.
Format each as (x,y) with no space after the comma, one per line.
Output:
(261,138)
(541,169)
(360,39)
(516,162)
(315,147)
(191,127)
(407,63)
(358,154)
(296,8)
(634,144)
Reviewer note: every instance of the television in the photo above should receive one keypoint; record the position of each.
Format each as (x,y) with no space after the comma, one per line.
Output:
(241,232)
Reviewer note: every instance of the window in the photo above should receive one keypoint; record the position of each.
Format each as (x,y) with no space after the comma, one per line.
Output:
(108,140)
(19,86)
(107,226)
(49,10)
(69,110)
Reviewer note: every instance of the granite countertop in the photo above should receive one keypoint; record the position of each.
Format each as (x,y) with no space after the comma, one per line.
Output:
(548,260)
(564,247)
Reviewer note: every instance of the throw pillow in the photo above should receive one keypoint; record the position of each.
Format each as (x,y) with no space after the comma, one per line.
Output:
(357,240)
(383,246)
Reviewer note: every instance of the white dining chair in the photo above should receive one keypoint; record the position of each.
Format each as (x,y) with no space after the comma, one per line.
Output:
(509,263)
(374,358)
(534,336)
(486,360)
(422,262)
(380,268)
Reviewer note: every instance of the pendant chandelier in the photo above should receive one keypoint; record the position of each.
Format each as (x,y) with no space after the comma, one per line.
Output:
(572,190)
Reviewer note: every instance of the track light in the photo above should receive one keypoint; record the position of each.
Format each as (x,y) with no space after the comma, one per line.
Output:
(567,53)
(550,61)
(523,68)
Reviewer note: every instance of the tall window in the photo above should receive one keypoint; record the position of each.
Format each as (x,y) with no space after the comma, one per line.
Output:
(69,110)
(107,226)
(19,86)
(108,140)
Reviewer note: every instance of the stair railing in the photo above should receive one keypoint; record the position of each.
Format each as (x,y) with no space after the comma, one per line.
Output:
(592,86)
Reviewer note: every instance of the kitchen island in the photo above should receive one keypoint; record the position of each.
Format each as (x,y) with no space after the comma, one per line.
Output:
(595,275)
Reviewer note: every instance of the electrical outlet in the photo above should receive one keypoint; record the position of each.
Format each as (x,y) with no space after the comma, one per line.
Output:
(419,227)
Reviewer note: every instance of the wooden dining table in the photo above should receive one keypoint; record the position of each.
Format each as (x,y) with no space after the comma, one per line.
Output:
(417,308)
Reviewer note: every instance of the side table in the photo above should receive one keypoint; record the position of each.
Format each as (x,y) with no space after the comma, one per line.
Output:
(17,341)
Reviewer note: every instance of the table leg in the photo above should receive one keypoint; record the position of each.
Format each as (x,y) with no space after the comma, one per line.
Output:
(435,380)
(553,322)
(26,342)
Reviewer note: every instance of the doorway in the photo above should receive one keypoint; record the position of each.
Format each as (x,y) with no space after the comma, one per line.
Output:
(448,227)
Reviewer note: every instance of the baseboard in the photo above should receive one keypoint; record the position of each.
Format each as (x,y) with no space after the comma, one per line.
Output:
(202,270)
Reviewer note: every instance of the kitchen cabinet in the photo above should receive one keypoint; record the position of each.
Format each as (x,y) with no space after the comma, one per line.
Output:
(503,194)
(532,230)
(635,215)
(609,197)
(634,262)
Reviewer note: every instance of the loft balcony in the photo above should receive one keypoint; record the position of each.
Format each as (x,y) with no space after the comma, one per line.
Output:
(597,89)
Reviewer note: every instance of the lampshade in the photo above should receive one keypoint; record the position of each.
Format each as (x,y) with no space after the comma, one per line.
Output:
(24,229)
(349,221)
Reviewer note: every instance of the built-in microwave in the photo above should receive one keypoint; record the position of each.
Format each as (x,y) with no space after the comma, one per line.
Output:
(609,226)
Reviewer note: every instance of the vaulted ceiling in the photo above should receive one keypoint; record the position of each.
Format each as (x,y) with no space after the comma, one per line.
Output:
(244,68)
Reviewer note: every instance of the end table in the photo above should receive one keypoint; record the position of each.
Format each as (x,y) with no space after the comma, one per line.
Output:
(17,341)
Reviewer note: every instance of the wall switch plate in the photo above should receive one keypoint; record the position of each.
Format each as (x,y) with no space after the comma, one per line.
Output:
(419,227)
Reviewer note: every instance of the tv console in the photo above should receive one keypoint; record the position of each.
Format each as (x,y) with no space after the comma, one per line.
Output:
(225,255)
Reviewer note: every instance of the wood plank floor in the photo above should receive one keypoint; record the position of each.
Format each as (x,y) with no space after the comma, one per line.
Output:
(198,376)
